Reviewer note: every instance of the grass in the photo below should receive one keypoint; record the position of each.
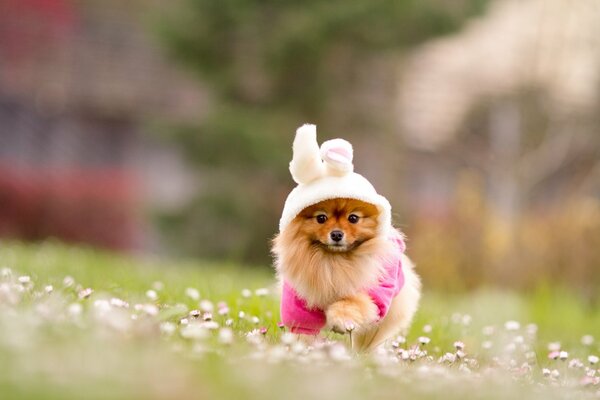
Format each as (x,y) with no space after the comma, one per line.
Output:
(140,333)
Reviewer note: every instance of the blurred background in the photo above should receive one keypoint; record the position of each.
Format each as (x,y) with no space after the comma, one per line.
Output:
(165,128)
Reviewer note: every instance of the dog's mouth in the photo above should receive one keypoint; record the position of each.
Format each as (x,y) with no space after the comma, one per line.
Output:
(338,247)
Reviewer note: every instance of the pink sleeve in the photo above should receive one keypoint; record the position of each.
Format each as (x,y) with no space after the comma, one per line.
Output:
(391,282)
(296,316)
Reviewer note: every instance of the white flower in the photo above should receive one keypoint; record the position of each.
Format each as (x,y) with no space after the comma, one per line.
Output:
(512,325)
(5,272)
(150,309)
(593,359)
(48,289)
(424,340)
(487,344)
(246,293)
(85,293)
(488,330)
(68,281)
(75,309)
(229,322)
(226,335)
(116,302)
(194,331)
(546,372)
(587,340)
(288,338)
(255,320)
(554,346)
(192,293)
(25,279)
(261,292)
(459,345)
(427,328)
(158,285)
(168,328)
(151,294)
(563,355)
(206,306)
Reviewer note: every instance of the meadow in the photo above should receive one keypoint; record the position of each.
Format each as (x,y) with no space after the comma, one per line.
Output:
(76,323)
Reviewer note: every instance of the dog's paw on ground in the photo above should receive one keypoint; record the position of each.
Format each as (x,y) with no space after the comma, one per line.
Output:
(351,313)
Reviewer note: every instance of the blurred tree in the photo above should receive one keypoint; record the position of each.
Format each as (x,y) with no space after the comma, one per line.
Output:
(272,65)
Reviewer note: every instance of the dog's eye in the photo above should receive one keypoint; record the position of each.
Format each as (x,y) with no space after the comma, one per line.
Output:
(321,218)
(353,218)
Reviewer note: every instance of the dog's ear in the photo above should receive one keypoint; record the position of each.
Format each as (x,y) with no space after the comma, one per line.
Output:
(306,164)
(337,155)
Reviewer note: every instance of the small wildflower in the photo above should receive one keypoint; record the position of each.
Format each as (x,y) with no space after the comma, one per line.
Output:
(460,354)
(448,357)
(194,313)
(487,344)
(554,346)
(48,288)
(458,345)
(466,320)
(228,322)
(427,328)
(5,272)
(192,293)
(546,372)
(151,294)
(246,293)
(116,302)
(281,325)
(593,359)
(225,335)
(563,355)
(255,320)
(158,285)
(288,338)
(194,331)
(519,339)
(75,309)
(424,340)
(206,306)
(168,328)
(68,281)
(222,308)
(349,325)
(587,340)
(184,321)
(555,374)
(512,325)
(150,309)
(262,292)
(263,330)
(85,293)
(488,330)
(575,363)
(553,355)
(241,315)
(531,329)
(210,325)
(207,316)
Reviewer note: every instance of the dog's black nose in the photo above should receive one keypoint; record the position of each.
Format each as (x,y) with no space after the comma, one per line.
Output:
(336,236)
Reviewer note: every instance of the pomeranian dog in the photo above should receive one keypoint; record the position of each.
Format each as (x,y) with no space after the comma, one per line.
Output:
(341,266)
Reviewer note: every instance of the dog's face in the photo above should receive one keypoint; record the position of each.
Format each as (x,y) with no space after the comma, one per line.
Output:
(337,225)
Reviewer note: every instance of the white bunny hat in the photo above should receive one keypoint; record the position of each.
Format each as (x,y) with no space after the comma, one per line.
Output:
(328,173)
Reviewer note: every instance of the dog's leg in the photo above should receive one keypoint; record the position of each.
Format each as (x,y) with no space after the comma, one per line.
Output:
(399,316)
(352,313)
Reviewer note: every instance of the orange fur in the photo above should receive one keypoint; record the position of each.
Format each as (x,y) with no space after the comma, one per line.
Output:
(335,279)
(323,276)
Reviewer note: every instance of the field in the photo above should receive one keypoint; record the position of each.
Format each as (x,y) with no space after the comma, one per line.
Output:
(80,324)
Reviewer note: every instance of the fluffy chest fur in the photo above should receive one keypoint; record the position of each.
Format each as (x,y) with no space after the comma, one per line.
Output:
(321,277)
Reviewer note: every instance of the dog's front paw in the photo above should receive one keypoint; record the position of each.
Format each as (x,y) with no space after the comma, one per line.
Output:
(351,313)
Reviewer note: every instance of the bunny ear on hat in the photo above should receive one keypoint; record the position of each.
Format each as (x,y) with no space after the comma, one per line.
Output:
(337,155)
(306,164)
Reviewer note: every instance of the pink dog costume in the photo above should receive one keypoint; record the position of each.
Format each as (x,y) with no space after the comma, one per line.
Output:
(326,173)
